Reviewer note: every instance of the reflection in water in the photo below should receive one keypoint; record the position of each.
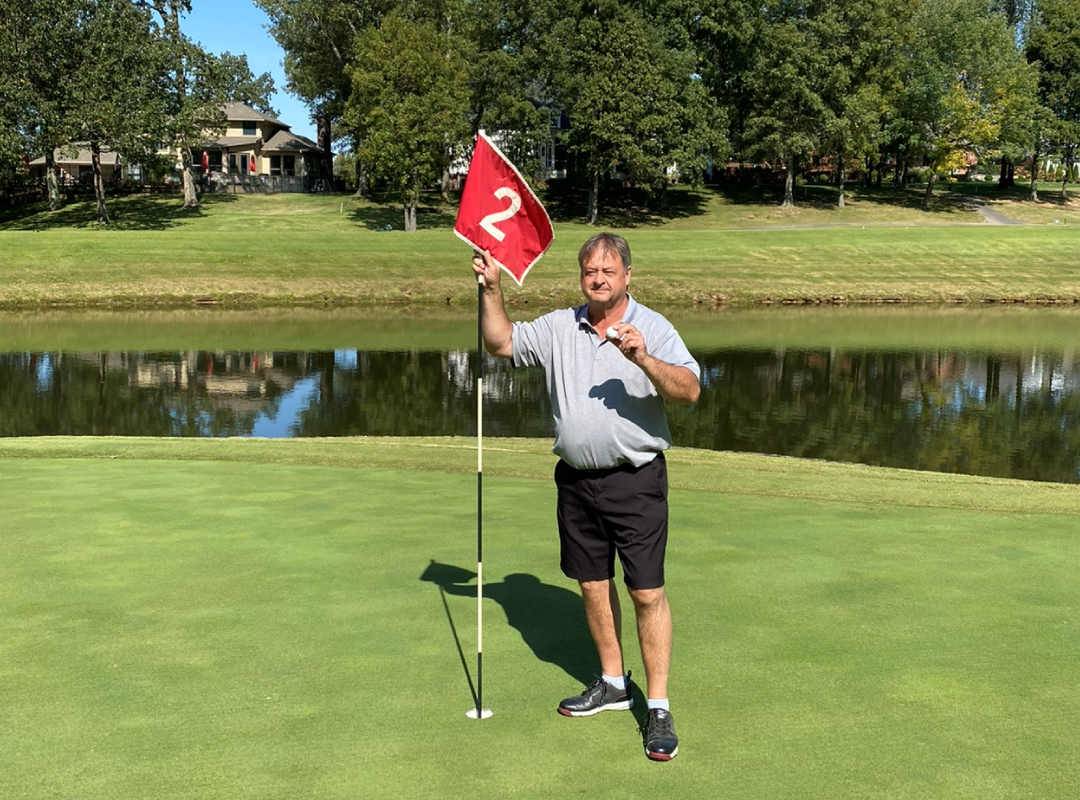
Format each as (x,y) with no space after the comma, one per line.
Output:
(1001,414)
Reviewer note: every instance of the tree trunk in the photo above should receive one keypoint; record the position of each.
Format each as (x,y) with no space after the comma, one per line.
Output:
(592,215)
(444,185)
(840,181)
(1007,176)
(51,182)
(360,174)
(187,172)
(1035,176)
(326,165)
(931,179)
(410,218)
(99,184)
(789,184)
(1070,154)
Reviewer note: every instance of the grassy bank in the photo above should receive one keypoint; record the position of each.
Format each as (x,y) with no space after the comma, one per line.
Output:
(981,327)
(259,620)
(306,250)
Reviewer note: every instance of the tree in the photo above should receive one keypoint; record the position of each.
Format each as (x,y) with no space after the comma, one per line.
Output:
(791,112)
(965,78)
(198,84)
(634,104)
(861,41)
(40,44)
(1054,47)
(237,83)
(317,37)
(188,116)
(121,101)
(408,103)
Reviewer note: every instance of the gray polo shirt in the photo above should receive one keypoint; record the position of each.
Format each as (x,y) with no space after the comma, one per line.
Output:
(607,411)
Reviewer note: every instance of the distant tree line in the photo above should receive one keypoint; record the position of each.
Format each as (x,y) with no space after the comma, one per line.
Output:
(648,86)
(648,89)
(114,75)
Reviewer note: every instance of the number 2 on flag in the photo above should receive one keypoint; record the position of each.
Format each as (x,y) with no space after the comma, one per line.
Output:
(500,214)
(488,222)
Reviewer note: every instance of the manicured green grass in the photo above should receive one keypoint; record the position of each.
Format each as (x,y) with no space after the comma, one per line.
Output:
(297,249)
(212,619)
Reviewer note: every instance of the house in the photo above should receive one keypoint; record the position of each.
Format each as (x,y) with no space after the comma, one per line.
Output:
(255,151)
(74,164)
(257,144)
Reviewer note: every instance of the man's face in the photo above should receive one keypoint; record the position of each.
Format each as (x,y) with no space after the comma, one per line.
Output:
(603,279)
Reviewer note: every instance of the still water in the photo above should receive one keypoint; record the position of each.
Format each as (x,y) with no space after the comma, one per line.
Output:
(1001,412)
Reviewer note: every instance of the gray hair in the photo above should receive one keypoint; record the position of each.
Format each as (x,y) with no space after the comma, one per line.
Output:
(605,243)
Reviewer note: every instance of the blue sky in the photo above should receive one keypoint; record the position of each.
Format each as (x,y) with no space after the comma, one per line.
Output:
(239,26)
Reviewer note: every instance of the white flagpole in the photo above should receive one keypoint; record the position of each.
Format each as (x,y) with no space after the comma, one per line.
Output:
(479,712)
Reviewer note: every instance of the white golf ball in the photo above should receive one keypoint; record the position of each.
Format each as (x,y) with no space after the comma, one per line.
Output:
(612,334)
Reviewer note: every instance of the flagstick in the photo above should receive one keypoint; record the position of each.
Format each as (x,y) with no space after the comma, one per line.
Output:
(479,712)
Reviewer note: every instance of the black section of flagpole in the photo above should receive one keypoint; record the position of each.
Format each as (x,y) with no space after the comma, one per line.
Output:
(479,486)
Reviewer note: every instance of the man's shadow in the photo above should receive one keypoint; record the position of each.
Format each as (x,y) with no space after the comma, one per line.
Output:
(550,619)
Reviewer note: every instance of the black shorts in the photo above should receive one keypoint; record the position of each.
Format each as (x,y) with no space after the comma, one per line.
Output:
(621,510)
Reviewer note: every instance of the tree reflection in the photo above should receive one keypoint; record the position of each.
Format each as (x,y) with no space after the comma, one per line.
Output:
(1001,414)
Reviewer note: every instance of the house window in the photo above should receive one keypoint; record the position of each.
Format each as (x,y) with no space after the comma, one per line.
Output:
(288,165)
(249,129)
(275,165)
(214,159)
(232,162)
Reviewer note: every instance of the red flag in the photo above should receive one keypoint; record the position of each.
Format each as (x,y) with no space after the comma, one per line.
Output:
(499,212)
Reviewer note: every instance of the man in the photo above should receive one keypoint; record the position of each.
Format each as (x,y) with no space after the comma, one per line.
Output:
(610,364)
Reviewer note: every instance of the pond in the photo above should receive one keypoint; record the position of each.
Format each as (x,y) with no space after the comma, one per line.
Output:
(988,392)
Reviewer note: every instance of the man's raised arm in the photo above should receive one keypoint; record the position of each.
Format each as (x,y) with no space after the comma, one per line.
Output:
(497,328)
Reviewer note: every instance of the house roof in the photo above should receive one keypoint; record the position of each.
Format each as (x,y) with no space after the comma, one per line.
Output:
(83,158)
(232,141)
(287,140)
(242,111)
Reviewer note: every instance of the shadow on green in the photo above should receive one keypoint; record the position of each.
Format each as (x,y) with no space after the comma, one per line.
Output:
(550,619)
(144,212)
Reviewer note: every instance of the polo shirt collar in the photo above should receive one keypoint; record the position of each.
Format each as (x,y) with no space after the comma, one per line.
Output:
(581,313)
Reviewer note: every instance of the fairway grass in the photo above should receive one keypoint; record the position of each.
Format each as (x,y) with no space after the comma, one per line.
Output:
(262,619)
(317,251)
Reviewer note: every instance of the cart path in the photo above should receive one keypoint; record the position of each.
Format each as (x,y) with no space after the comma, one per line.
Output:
(987,212)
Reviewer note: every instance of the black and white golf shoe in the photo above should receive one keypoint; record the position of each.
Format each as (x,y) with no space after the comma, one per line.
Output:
(598,696)
(658,733)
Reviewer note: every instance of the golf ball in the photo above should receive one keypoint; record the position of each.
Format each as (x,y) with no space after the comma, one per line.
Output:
(612,334)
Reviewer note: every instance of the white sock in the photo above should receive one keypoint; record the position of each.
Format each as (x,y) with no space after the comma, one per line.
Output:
(618,683)
(660,704)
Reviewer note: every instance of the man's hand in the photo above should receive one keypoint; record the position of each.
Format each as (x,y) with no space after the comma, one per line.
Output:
(630,342)
(497,329)
(486,270)
(673,382)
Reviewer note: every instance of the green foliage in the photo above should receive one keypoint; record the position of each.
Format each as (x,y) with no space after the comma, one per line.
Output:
(635,104)
(1054,47)
(408,103)
(966,80)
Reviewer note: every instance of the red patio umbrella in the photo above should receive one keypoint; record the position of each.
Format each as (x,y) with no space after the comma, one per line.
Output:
(253,164)
(205,161)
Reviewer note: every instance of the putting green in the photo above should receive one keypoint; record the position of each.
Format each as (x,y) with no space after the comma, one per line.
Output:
(245,620)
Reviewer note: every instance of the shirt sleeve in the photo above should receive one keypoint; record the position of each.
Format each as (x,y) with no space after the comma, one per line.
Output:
(532,342)
(671,350)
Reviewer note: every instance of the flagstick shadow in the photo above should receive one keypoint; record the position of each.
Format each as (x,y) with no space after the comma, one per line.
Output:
(461,653)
